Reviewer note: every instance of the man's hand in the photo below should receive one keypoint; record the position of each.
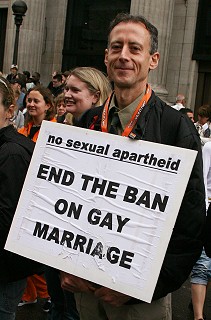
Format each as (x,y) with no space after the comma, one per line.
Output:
(110,296)
(75,284)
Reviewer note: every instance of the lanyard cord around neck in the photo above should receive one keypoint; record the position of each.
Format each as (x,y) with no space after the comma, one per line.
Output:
(129,127)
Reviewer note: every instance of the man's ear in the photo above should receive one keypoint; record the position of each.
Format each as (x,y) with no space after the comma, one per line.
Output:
(154,60)
(106,57)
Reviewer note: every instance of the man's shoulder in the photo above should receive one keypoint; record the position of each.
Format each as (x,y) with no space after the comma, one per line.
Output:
(164,108)
(174,126)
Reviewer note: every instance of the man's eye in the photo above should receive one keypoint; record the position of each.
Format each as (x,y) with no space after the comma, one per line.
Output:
(115,47)
(134,48)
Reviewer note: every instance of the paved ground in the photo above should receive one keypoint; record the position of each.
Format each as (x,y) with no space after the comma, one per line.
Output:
(180,301)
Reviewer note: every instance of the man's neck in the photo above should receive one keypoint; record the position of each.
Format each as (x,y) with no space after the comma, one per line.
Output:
(125,96)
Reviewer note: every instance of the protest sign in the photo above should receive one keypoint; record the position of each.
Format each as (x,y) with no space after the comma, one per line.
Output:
(100,206)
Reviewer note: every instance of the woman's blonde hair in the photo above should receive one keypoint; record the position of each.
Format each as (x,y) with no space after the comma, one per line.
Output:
(95,80)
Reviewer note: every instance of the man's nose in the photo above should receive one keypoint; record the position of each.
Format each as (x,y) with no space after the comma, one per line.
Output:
(125,53)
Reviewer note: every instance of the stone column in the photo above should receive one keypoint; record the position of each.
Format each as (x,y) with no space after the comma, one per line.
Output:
(159,13)
(53,44)
(32,33)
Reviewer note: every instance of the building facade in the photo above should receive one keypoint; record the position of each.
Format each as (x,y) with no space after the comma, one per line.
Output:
(62,34)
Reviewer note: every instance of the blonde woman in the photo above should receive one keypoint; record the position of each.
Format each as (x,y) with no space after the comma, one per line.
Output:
(86,88)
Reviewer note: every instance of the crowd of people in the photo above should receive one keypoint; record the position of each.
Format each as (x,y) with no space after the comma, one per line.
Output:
(129,108)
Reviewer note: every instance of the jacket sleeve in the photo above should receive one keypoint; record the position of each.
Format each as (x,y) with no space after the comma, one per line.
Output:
(187,239)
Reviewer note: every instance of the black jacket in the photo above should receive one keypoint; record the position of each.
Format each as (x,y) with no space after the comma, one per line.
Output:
(162,124)
(15,155)
(207,245)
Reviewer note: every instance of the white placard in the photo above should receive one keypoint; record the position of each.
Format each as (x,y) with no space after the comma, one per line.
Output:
(100,206)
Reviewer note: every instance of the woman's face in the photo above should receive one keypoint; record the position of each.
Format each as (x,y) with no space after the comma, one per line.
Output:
(36,106)
(61,108)
(5,115)
(78,98)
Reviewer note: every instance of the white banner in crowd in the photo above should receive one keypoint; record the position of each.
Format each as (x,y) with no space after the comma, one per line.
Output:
(100,206)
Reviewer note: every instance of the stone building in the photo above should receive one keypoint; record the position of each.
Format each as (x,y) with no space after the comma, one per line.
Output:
(62,34)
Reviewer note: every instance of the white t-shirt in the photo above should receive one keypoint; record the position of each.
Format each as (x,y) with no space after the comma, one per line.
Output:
(178,106)
(206,154)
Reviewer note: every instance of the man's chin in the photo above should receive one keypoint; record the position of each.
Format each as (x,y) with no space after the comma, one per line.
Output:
(122,83)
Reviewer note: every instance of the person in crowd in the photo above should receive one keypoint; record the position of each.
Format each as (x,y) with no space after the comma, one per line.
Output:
(131,54)
(40,107)
(50,85)
(180,102)
(63,306)
(85,88)
(65,75)
(27,75)
(29,82)
(39,104)
(22,78)
(24,109)
(57,85)
(13,72)
(60,108)
(18,119)
(201,274)
(36,78)
(15,155)
(188,112)
(203,125)
(17,86)
(207,244)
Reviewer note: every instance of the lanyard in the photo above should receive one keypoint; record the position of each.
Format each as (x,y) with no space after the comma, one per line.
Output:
(129,127)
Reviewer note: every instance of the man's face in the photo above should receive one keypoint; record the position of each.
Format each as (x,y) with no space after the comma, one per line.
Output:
(190,115)
(128,57)
(14,71)
(16,88)
(56,83)
(35,77)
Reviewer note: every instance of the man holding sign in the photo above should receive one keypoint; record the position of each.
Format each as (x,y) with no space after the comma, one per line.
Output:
(134,111)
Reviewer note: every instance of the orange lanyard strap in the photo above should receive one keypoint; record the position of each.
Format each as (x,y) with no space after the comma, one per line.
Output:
(129,127)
